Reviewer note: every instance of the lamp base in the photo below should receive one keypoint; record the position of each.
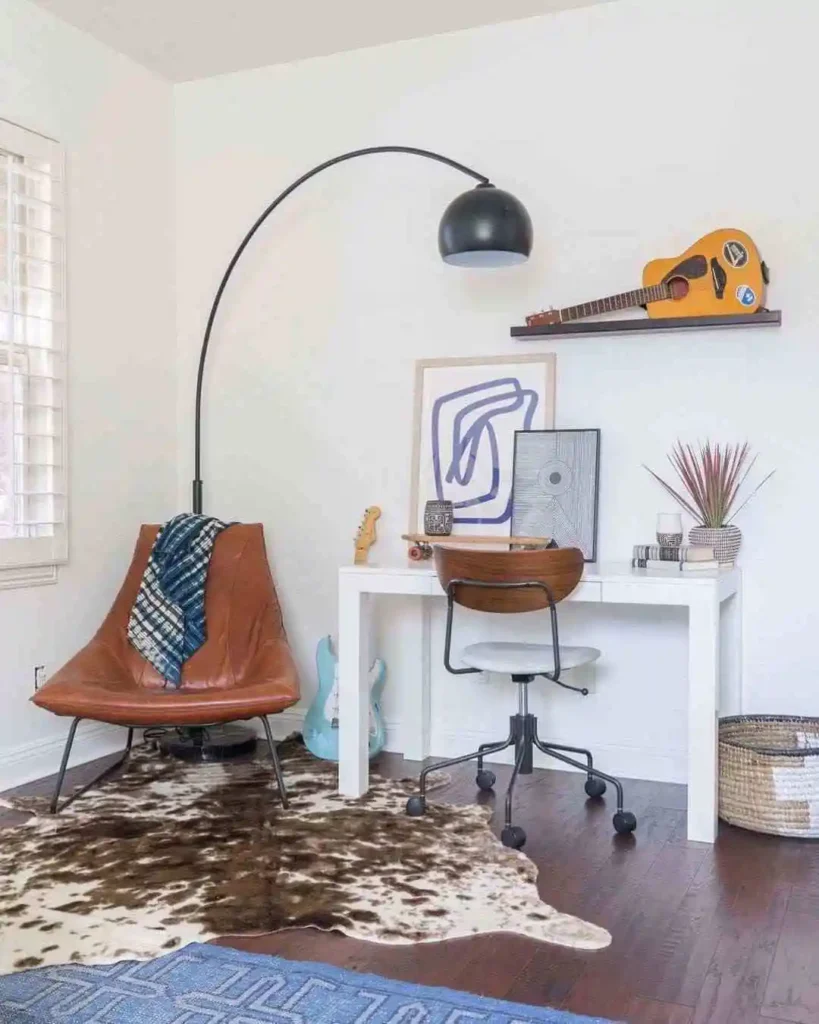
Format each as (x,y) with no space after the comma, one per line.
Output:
(214,743)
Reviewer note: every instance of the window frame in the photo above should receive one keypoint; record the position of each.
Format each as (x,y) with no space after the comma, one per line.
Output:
(30,561)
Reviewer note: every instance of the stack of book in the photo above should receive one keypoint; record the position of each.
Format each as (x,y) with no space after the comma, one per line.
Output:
(682,558)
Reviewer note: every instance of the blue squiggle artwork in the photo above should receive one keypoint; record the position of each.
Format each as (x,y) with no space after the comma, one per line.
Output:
(467,459)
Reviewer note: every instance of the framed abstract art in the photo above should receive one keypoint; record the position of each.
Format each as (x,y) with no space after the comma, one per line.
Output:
(555,487)
(467,412)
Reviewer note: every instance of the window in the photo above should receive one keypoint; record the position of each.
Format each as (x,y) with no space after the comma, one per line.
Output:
(33,479)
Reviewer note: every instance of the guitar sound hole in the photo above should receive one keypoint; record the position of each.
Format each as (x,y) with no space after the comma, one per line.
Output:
(678,287)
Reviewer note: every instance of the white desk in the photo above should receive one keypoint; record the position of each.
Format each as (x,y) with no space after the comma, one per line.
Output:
(713,600)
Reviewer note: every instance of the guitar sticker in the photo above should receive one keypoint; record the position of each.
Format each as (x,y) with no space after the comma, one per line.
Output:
(746,295)
(735,254)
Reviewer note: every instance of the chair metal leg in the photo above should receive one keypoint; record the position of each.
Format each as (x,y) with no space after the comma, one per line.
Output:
(484,748)
(55,807)
(519,762)
(417,804)
(274,757)
(72,732)
(493,748)
(568,750)
(595,772)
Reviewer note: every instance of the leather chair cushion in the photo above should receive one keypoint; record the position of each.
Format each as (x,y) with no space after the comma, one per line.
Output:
(122,702)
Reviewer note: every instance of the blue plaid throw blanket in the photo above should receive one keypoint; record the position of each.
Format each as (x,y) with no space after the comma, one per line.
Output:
(167,623)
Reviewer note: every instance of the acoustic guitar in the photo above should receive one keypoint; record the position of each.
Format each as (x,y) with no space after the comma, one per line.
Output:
(721,274)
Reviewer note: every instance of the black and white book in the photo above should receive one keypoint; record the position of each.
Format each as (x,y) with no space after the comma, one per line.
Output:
(680,553)
(666,566)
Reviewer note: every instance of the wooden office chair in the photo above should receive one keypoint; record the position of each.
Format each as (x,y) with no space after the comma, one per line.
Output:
(243,670)
(510,582)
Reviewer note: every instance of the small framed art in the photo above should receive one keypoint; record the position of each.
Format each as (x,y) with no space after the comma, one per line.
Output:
(555,484)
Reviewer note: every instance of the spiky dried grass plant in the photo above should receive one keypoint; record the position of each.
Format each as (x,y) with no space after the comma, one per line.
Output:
(712,476)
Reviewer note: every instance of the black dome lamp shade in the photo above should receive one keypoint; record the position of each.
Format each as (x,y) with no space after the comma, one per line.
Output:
(485,227)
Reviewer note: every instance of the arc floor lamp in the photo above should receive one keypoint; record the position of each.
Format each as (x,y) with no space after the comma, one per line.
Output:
(484,227)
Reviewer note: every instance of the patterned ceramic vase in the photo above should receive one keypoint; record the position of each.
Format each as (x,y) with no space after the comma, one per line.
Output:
(438,517)
(725,540)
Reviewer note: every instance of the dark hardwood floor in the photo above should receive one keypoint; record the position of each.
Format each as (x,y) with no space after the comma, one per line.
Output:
(728,934)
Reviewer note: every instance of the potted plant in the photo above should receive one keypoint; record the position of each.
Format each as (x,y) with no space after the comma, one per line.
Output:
(712,476)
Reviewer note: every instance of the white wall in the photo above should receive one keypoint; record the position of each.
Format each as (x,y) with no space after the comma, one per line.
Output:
(628,130)
(114,119)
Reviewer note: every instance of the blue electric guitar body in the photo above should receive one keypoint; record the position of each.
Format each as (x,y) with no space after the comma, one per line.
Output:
(321,721)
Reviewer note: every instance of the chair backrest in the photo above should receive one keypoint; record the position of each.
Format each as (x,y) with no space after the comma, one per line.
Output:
(241,612)
(560,569)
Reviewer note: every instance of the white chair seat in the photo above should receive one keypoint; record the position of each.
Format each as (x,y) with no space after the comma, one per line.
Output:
(524,659)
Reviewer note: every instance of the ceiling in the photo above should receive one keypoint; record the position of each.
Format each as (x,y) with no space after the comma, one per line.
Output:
(185,39)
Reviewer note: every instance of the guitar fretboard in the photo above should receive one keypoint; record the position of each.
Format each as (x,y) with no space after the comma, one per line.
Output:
(625,300)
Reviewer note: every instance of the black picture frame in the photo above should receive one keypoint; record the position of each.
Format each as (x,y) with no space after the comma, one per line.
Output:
(589,550)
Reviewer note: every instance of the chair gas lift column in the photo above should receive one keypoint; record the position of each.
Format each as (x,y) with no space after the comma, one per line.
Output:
(511,582)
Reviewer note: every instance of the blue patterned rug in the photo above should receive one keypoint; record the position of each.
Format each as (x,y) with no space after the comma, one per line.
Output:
(213,985)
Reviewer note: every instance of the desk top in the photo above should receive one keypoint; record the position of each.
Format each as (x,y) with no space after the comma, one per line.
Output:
(606,582)
(594,572)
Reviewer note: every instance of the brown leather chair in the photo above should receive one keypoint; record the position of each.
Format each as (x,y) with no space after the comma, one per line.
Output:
(243,670)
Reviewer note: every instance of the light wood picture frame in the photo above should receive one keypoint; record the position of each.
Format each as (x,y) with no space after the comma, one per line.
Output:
(466,413)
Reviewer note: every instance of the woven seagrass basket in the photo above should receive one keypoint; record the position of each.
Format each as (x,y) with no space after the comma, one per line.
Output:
(769,774)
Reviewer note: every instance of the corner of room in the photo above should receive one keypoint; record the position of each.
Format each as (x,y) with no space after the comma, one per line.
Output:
(401,413)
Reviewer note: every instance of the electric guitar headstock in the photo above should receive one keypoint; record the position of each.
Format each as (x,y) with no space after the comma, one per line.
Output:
(544,318)
(365,536)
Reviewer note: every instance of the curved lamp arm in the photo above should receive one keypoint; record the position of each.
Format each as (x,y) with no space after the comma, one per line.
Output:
(197,482)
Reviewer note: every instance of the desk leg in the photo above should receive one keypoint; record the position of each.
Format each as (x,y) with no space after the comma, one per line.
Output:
(415,697)
(730,700)
(353,689)
(703,692)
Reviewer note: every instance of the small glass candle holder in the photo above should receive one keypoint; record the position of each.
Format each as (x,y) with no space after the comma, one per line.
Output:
(669,529)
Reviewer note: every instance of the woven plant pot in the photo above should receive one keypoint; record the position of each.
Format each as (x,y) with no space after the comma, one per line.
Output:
(725,540)
(769,774)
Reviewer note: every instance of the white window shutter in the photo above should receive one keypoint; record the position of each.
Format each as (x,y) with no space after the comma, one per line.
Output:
(33,470)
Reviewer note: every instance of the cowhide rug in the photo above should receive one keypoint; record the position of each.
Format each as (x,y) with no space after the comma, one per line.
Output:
(168,853)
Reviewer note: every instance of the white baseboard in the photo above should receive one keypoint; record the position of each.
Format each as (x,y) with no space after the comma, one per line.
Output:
(40,758)
(628,762)
(624,762)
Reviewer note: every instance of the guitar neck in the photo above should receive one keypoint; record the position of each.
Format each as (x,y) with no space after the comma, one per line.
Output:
(625,300)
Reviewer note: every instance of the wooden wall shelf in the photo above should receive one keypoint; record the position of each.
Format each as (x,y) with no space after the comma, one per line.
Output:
(769,318)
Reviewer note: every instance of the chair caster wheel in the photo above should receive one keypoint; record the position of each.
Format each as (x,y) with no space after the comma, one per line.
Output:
(416,806)
(624,822)
(485,780)
(513,836)
(594,787)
